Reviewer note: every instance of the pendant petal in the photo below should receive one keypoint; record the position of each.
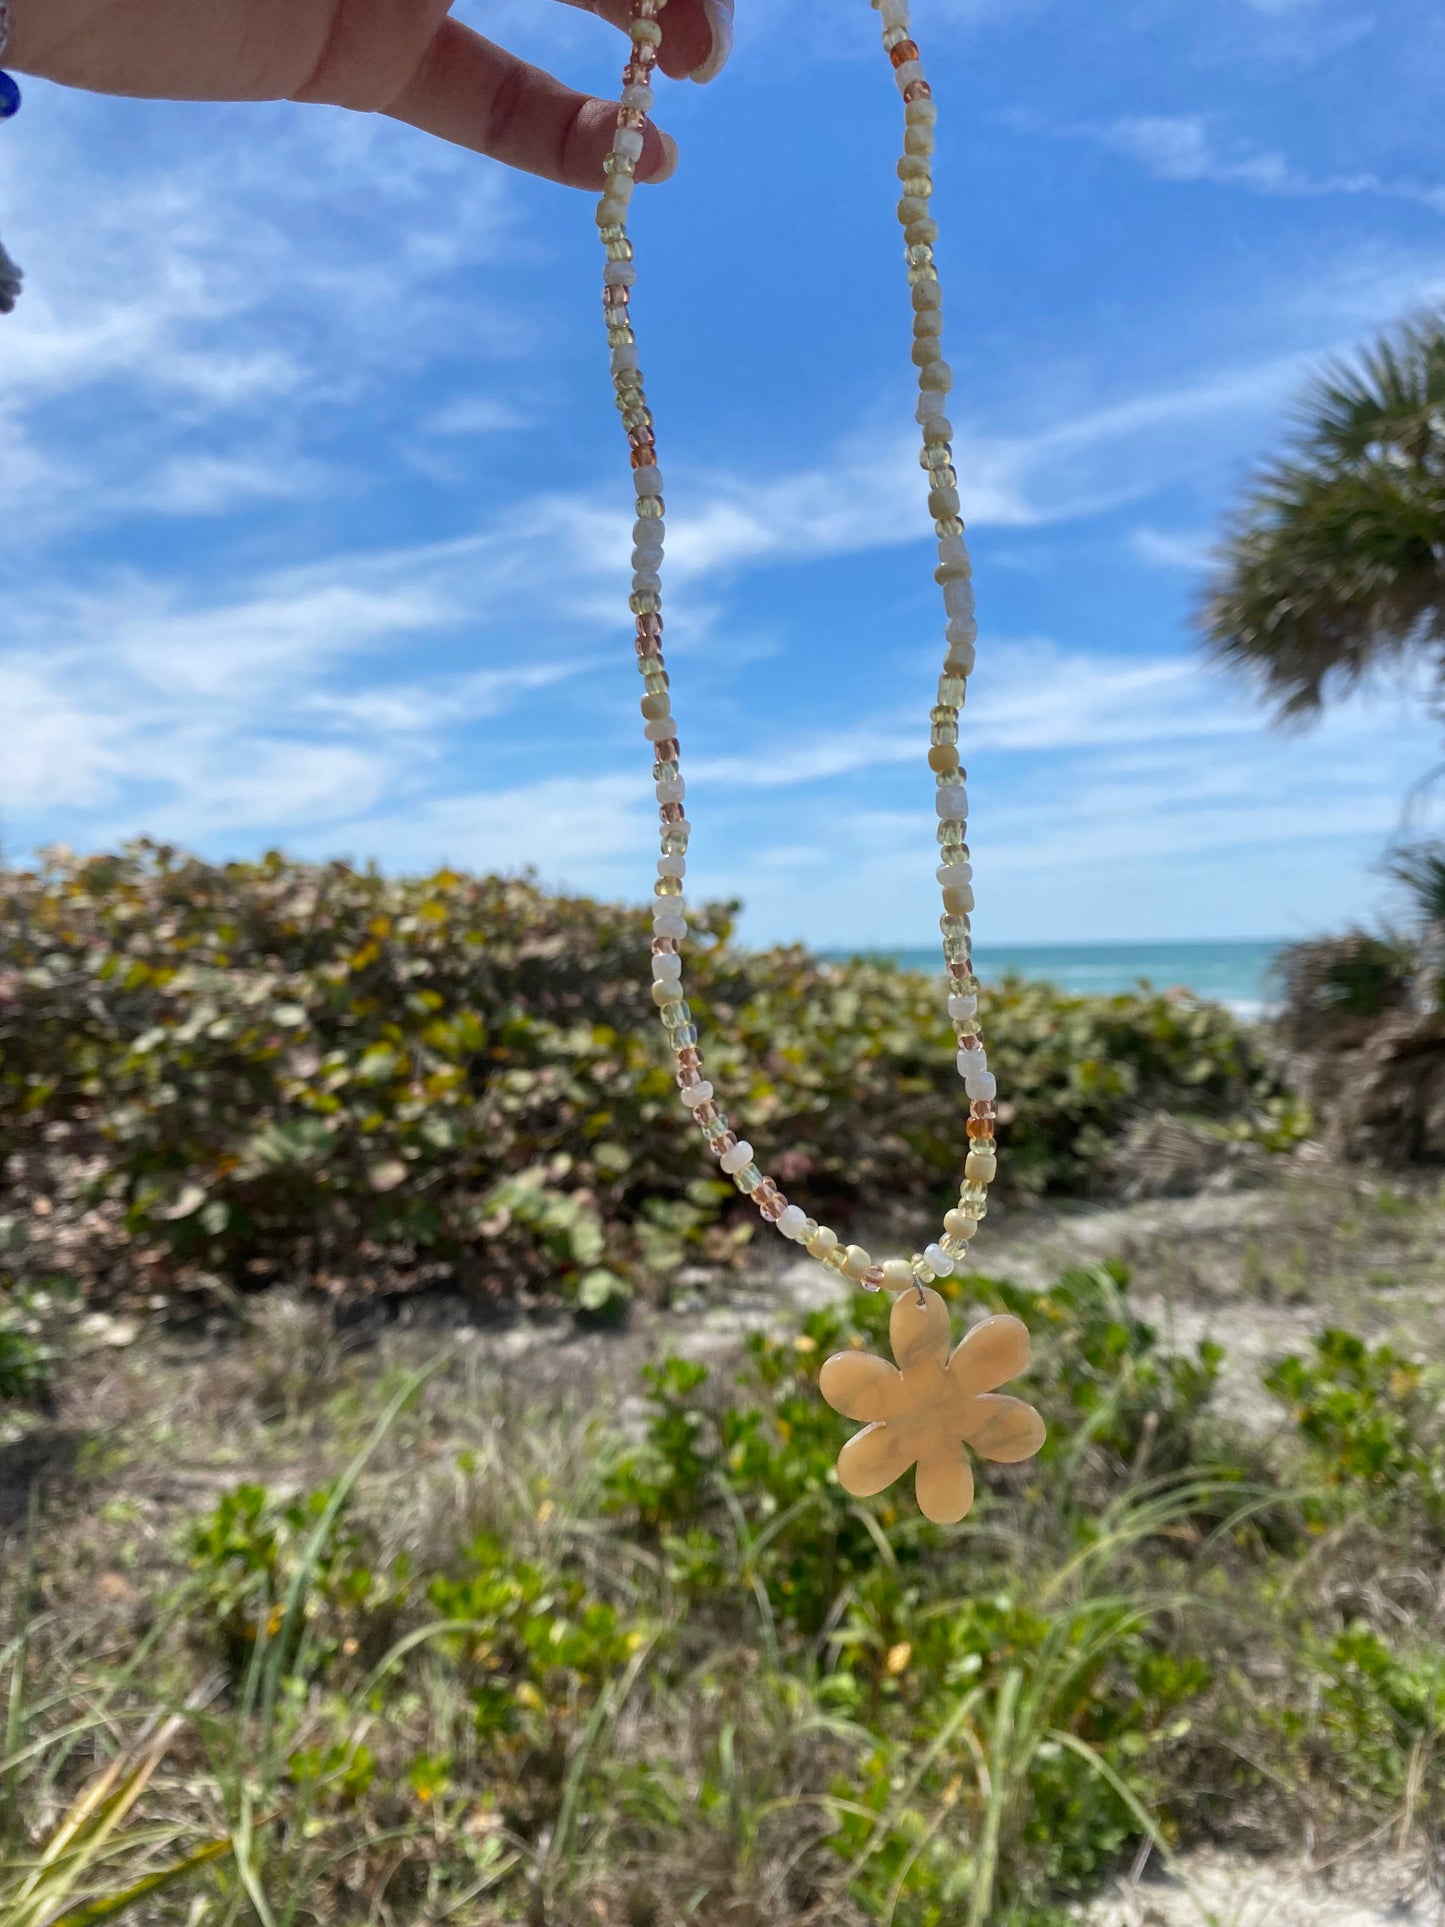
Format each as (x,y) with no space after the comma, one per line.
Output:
(996,1350)
(860,1385)
(1004,1429)
(873,1459)
(944,1483)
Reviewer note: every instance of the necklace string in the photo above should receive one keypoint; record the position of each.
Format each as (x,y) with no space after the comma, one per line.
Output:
(953,573)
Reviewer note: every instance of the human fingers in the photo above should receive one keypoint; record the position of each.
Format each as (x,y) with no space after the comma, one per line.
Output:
(697,35)
(480,96)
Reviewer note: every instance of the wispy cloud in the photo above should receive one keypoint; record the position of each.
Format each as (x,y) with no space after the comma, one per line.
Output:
(1184,147)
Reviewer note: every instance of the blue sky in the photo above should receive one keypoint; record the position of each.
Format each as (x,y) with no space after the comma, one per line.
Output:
(313,514)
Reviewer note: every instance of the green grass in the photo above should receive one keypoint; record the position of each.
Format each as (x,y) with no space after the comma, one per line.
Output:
(498,1662)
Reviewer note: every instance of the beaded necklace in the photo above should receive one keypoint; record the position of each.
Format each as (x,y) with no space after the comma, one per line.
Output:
(924,1411)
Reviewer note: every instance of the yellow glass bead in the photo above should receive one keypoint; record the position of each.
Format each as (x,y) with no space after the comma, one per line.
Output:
(646,33)
(649,508)
(667,887)
(614,233)
(837,1260)
(674,841)
(620,249)
(654,681)
(946,732)
(947,525)
(644,603)
(935,454)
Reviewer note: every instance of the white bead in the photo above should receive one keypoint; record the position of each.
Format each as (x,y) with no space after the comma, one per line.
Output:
(971,1063)
(952,803)
(895,13)
(983,1088)
(960,1009)
(619,274)
(649,560)
(931,402)
(625,357)
(737,1157)
(667,970)
(635,96)
(910,71)
(658,728)
(669,923)
(952,548)
(792,1221)
(961,659)
(671,789)
(961,629)
(628,141)
(647,481)
(646,534)
(938,1259)
(958,596)
(697,1094)
(672,866)
(951,875)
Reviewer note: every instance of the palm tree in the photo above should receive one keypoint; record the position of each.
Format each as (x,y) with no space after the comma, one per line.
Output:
(1334,563)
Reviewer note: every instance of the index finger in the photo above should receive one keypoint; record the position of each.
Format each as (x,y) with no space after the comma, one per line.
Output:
(480,96)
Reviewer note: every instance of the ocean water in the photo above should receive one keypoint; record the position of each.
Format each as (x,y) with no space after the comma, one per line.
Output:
(1236,974)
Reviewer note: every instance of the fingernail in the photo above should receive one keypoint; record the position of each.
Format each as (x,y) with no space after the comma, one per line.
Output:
(669,161)
(720,19)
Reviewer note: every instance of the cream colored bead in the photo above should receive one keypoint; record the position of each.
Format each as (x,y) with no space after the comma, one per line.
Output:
(980,1167)
(958,899)
(822,1242)
(897,1274)
(667,991)
(958,1224)
(856,1262)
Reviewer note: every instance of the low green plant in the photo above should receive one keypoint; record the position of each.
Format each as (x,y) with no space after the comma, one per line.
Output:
(250,1072)
(1373,1421)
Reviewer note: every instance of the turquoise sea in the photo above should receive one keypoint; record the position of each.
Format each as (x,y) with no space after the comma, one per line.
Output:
(1237,973)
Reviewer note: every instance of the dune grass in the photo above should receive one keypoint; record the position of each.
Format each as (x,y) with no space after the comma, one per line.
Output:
(641,1660)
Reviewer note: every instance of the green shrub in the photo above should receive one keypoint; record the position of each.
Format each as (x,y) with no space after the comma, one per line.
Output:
(256,1070)
(1373,1422)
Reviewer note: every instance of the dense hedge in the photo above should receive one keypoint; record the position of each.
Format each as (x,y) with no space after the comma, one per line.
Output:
(253,1070)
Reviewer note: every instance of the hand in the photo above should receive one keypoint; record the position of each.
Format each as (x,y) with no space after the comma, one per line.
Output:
(405,58)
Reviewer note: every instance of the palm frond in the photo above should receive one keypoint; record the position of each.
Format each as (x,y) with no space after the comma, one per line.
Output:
(1333,566)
